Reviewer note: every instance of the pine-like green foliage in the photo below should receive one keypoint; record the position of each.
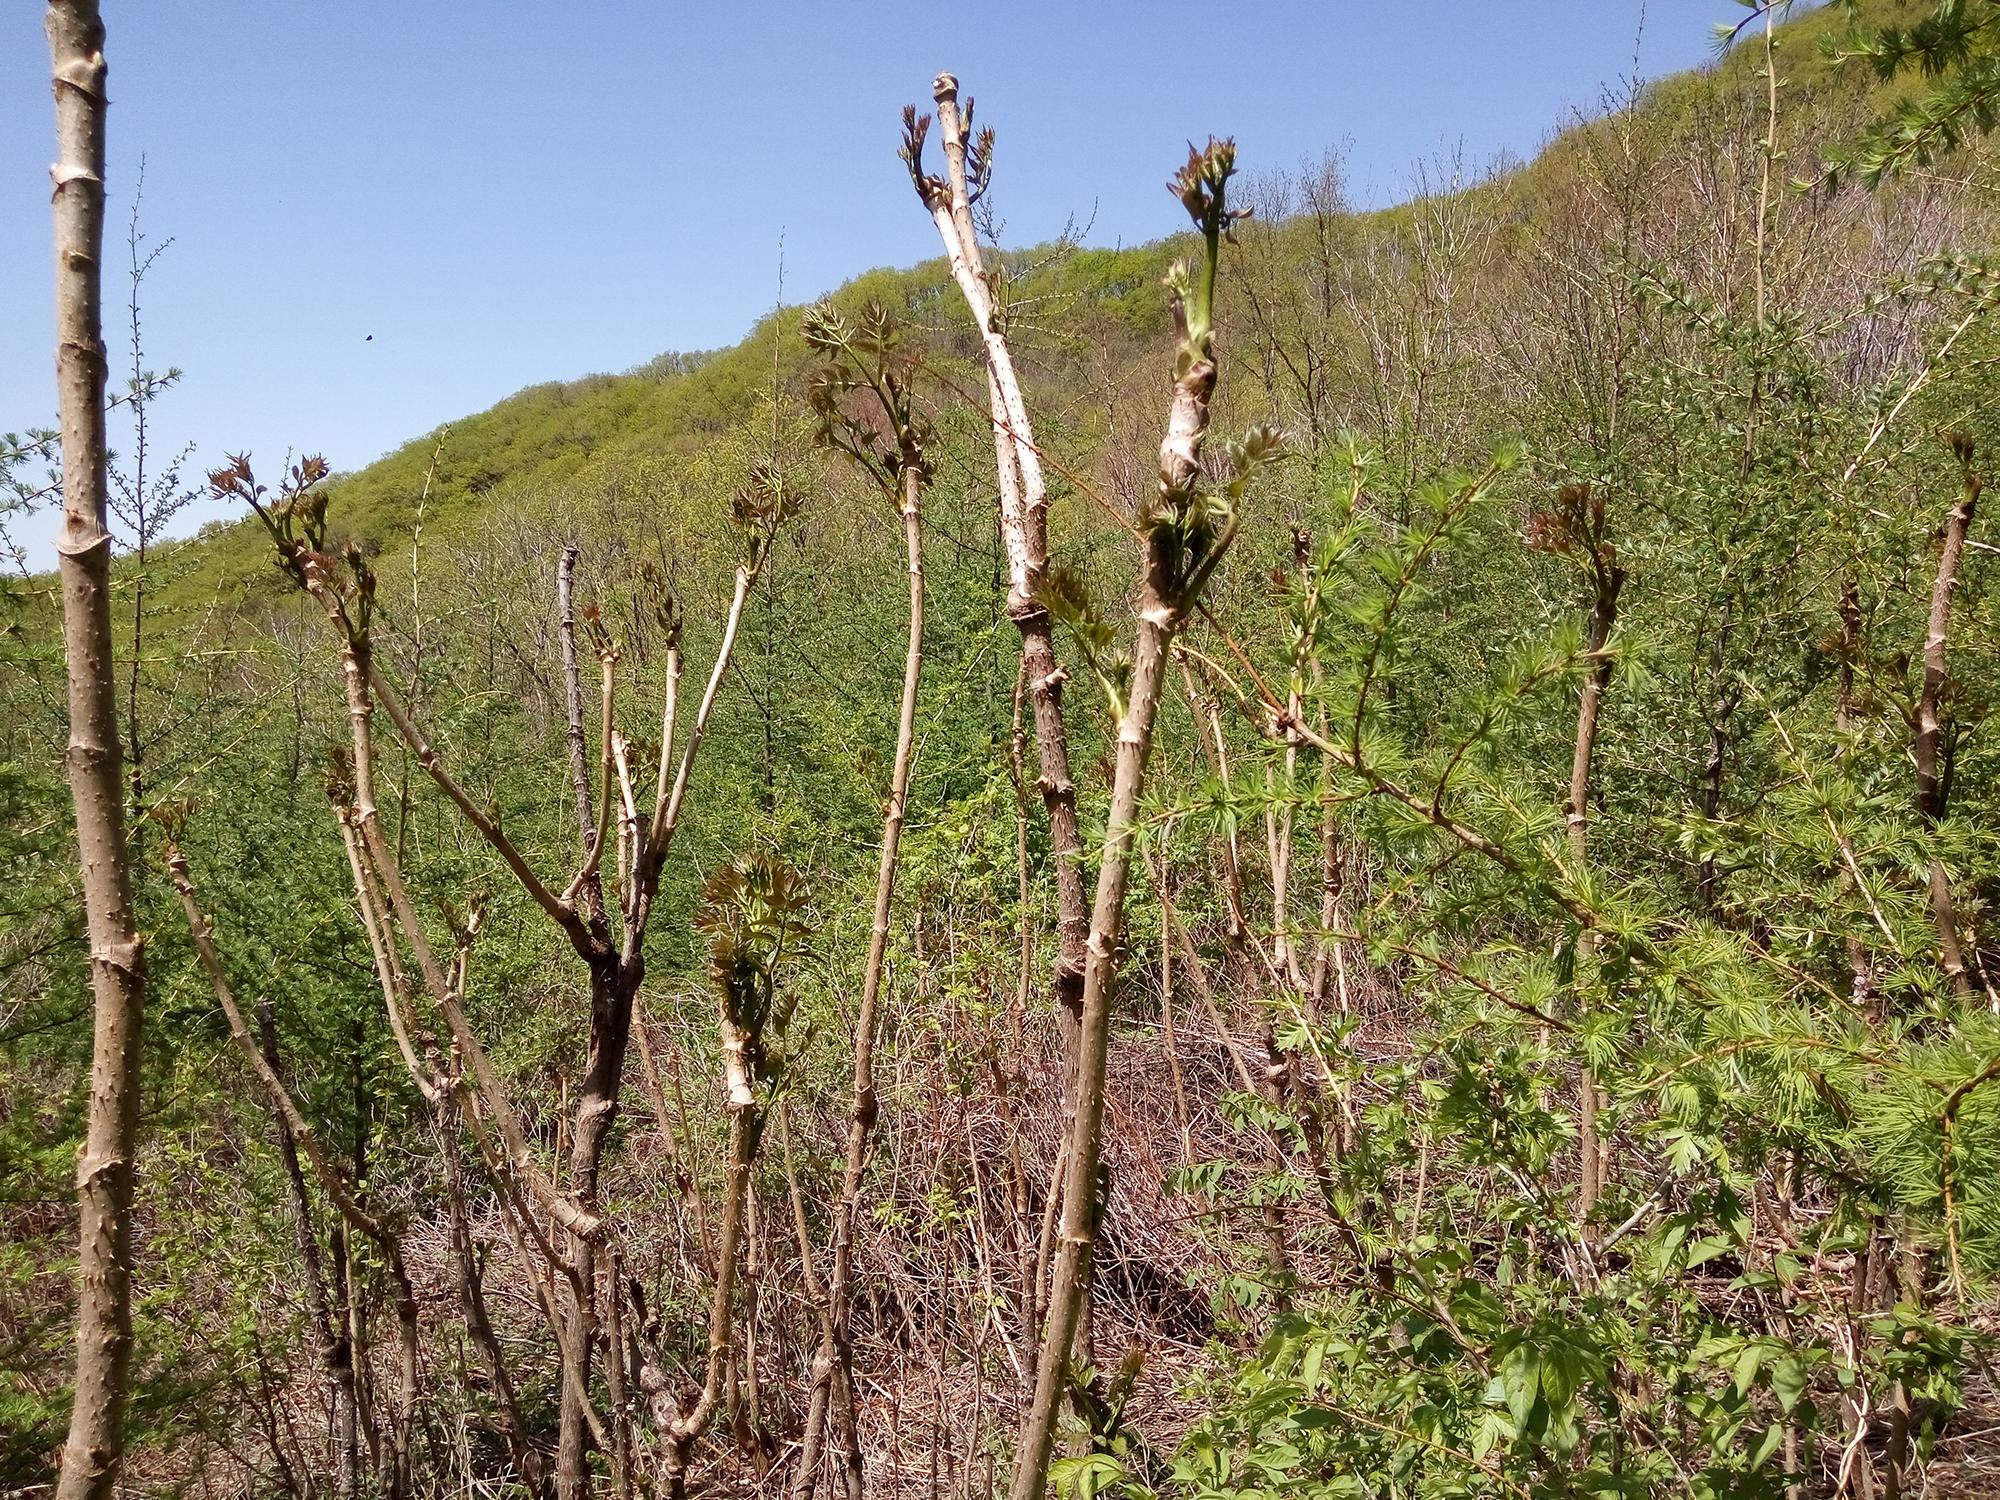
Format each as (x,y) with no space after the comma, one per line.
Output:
(1954,47)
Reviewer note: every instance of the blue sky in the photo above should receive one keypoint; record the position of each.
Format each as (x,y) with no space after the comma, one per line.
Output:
(504,192)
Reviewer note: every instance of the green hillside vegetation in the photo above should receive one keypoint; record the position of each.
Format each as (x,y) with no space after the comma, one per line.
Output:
(579,435)
(1547,1024)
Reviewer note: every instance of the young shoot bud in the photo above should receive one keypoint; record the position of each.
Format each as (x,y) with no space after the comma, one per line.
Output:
(659,595)
(1201,185)
(755,913)
(759,506)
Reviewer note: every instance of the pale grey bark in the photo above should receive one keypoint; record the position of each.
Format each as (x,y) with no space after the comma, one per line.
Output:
(104,1175)
(1023,519)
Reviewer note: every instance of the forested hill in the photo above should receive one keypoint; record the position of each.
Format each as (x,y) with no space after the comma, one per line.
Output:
(578,437)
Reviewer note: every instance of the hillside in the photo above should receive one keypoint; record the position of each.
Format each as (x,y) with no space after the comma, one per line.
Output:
(574,435)
(1399,907)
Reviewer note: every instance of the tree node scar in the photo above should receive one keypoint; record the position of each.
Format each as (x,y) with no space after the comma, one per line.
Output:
(121,956)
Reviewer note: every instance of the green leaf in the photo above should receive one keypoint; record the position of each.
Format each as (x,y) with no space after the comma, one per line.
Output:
(1309,1367)
(1773,1435)
(1562,1373)
(1747,1364)
(1707,1250)
(1521,1380)
(1790,1374)
(1492,1431)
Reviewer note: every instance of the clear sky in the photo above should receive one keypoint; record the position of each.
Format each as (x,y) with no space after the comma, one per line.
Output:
(504,192)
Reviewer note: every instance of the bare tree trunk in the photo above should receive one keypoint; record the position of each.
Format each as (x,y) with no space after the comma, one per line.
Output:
(1023,519)
(335,1351)
(1173,574)
(96,1443)
(683,1431)
(1017,772)
(279,1101)
(615,1365)
(1608,580)
(836,1355)
(610,1026)
(1933,792)
(472,1299)
(1080,1188)
(824,1371)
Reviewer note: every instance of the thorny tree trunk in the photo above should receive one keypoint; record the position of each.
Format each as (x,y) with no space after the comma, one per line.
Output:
(1933,790)
(96,1446)
(573,1442)
(1023,530)
(1158,620)
(610,1026)
(1023,503)
(681,1431)
(336,1352)
(617,1364)
(1168,587)
(472,1297)
(610,1029)
(804,1482)
(279,1101)
(835,1360)
(1593,1165)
